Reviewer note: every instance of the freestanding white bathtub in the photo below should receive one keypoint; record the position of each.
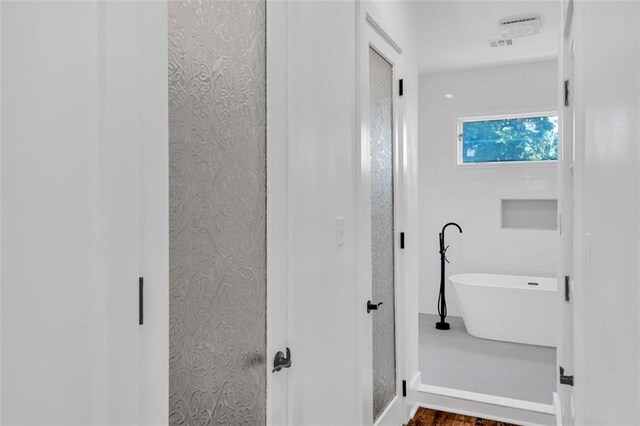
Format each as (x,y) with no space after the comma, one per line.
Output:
(510,308)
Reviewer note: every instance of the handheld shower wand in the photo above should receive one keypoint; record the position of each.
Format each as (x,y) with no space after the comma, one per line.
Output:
(442,301)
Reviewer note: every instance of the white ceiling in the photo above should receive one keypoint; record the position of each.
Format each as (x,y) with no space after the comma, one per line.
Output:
(454,34)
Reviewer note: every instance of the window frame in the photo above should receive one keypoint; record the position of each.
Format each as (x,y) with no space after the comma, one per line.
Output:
(490,164)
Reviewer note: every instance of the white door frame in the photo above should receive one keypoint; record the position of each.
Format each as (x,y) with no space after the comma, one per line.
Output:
(369,33)
(568,198)
(278,408)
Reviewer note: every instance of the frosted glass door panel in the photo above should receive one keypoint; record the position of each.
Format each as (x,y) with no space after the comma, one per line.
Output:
(382,231)
(217,184)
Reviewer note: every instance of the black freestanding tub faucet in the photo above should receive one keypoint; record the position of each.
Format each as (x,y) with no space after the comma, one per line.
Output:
(442,301)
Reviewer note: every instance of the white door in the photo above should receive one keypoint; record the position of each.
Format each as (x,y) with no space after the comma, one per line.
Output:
(229,357)
(567,173)
(380,213)
(278,311)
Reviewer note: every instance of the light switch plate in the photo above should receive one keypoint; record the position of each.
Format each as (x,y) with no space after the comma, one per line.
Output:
(339,231)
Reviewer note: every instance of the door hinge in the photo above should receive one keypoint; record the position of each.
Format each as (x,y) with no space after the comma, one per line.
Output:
(404,388)
(402,240)
(401,87)
(566,93)
(567,288)
(141,300)
(565,380)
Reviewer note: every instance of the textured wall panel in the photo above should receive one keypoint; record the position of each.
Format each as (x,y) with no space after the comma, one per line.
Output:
(217,118)
(382,242)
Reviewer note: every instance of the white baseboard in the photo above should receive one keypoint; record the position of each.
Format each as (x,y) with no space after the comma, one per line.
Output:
(489,399)
(415,380)
(392,414)
(414,410)
(485,406)
(411,404)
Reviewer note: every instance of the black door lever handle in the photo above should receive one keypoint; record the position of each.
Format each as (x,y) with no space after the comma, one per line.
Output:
(281,361)
(372,306)
(564,379)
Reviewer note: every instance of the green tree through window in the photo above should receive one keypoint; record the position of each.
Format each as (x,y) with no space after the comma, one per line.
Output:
(510,139)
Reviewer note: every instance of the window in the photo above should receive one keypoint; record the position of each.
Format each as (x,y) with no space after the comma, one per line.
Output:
(512,138)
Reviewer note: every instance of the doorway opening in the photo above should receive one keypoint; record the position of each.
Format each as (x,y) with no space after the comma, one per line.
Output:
(490,161)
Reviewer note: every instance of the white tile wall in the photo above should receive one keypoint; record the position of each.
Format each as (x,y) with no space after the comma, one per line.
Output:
(472,197)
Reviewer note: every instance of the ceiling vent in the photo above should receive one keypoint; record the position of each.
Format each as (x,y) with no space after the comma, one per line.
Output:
(501,42)
(520,27)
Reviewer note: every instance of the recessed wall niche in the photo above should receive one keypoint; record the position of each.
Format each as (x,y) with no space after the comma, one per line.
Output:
(541,215)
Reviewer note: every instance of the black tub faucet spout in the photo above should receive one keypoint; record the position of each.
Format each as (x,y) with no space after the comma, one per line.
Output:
(442,301)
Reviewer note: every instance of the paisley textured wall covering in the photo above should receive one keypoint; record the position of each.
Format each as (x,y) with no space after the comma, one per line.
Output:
(217,155)
(382,231)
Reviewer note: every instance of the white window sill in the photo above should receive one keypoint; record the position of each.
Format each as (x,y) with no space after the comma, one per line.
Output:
(507,165)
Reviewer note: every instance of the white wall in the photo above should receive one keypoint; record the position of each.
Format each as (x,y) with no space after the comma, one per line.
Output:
(321,188)
(472,196)
(607,99)
(326,386)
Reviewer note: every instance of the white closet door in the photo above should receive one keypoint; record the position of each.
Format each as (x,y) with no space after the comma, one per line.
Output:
(218,213)
(119,195)
(133,195)
(84,147)
(53,331)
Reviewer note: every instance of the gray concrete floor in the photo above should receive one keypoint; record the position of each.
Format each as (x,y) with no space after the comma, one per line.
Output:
(455,359)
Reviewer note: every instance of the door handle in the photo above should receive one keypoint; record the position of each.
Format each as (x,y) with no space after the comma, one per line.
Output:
(372,306)
(565,380)
(281,361)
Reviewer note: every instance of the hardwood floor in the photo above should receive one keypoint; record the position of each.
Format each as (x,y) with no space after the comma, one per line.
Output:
(428,417)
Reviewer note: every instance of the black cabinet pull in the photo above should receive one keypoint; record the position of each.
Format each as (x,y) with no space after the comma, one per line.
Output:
(140,300)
